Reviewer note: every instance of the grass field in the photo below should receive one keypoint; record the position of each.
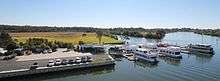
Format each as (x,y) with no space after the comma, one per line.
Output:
(69,37)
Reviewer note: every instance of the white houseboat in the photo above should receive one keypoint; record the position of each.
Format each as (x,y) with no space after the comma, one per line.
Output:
(145,54)
(201,49)
(170,51)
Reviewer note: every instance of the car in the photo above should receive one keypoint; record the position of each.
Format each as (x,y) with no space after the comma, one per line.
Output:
(78,59)
(57,62)
(51,63)
(83,59)
(44,52)
(50,51)
(71,61)
(64,62)
(34,66)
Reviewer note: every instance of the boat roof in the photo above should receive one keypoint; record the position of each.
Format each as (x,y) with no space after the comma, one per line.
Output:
(204,44)
(171,48)
(77,57)
(143,49)
(174,47)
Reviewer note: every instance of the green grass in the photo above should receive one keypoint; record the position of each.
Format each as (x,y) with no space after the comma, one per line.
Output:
(68,37)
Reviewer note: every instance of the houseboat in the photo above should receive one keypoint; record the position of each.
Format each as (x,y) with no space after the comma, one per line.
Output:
(201,49)
(145,54)
(115,50)
(129,56)
(169,51)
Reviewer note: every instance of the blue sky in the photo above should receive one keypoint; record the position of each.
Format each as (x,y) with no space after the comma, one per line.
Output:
(109,13)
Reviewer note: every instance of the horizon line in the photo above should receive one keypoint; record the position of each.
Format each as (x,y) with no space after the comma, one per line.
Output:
(144,26)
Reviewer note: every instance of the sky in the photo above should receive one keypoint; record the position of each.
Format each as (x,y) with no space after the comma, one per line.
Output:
(112,13)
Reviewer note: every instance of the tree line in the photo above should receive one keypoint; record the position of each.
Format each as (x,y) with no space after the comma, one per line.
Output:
(137,32)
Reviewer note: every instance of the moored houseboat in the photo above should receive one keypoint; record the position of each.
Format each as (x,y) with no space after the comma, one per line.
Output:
(145,54)
(201,49)
(170,51)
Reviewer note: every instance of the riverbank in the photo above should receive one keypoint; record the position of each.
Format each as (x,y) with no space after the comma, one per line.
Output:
(209,32)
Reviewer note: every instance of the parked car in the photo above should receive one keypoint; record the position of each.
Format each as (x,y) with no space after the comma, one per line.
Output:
(58,62)
(64,62)
(83,59)
(51,63)
(78,59)
(44,52)
(50,51)
(67,50)
(71,61)
(34,66)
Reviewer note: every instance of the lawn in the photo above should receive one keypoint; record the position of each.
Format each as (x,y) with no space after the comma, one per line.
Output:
(69,37)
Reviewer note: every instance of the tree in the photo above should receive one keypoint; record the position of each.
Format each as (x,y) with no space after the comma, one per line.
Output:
(5,39)
(11,46)
(81,42)
(99,35)
(160,34)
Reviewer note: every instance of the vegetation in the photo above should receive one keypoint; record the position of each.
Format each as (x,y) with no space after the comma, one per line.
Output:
(6,41)
(154,35)
(40,45)
(136,32)
(209,32)
(14,28)
(99,36)
(66,37)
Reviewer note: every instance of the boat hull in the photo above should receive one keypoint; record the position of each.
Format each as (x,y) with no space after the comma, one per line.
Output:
(167,55)
(148,60)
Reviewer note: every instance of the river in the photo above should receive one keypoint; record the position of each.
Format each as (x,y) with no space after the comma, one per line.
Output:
(189,68)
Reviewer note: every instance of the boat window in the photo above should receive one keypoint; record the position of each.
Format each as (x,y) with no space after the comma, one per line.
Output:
(177,53)
(145,51)
(153,57)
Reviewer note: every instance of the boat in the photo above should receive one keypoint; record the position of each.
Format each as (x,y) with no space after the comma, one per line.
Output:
(169,51)
(129,56)
(146,54)
(115,50)
(126,37)
(201,49)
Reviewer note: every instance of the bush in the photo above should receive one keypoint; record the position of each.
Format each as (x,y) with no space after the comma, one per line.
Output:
(11,46)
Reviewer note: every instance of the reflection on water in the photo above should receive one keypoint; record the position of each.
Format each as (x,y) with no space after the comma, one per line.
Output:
(171,61)
(201,58)
(117,57)
(145,64)
(62,74)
